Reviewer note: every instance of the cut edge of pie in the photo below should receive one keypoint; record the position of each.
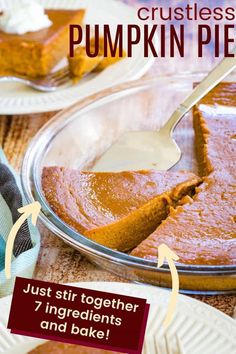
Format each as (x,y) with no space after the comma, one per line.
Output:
(203,230)
(117,210)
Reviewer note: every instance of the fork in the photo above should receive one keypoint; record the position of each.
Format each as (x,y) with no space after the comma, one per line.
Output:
(47,83)
(163,345)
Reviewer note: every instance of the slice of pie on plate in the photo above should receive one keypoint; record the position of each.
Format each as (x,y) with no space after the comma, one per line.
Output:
(63,348)
(36,53)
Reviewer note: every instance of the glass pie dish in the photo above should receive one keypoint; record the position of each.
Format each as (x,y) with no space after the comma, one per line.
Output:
(79,135)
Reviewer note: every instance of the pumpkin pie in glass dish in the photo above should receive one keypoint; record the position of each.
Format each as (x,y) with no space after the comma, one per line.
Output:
(199,225)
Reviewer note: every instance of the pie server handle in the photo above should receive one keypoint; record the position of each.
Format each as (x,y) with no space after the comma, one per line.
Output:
(223,69)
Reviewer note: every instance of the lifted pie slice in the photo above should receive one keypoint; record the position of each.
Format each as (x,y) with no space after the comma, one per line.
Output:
(117,210)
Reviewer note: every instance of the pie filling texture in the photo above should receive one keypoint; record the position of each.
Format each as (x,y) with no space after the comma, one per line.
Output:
(61,348)
(81,64)
(36,53)
(118,210)
(203,230)
(140,210)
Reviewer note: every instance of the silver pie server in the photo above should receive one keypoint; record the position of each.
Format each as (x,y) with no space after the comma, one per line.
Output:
(157,149)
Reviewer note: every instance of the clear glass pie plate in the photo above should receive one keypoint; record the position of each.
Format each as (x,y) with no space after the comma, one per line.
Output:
(77,136)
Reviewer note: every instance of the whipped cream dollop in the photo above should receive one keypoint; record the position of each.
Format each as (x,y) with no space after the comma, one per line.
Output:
(25,16)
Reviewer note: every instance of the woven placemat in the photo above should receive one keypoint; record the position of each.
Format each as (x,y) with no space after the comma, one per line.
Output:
(16,133)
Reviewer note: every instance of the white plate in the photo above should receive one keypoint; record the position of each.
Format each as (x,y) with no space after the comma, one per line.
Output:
(202,329)
(18,99)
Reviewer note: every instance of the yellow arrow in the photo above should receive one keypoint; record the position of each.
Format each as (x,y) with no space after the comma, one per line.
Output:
(31,209)
(165,252)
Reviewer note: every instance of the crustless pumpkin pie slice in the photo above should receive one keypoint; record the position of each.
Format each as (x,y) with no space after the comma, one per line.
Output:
(36,53)
(81,64)
(63,348)
(203,230)
(117,210)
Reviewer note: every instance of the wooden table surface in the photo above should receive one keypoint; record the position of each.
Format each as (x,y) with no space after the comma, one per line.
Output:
(57,261)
